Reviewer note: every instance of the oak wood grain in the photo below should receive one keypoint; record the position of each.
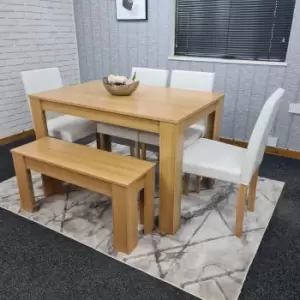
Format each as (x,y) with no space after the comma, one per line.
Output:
(171,152)
(99,164)
(252,191)
(125,218)
(161,110)
(148,102)
(24,181)
(240,209)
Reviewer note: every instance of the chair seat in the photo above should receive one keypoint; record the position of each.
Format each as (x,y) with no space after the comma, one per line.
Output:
(191,135)
(200,127)
(70,128)
(118,131)
(214,159)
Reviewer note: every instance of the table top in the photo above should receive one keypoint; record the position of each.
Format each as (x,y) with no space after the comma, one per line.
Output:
(155,103)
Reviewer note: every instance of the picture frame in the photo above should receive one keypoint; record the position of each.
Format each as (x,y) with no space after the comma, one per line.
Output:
(132,10)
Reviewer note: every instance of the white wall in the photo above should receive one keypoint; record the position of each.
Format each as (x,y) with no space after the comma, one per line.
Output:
(110,46)
(33,34)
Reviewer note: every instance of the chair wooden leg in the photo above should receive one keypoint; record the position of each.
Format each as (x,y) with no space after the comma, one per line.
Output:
(142,206)
(125,218)
(252,191)
(186,178)
(105,142)
(147,202)
(132,150)
(198,184)
(208,183)
(136,149)
(144,151)
(24,181)
(240,209)
(98,140)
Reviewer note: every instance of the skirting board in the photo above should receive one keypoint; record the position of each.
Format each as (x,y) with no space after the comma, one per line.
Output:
(16,137)
(270,150)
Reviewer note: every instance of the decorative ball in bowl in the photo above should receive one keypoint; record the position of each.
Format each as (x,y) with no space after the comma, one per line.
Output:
(120,85)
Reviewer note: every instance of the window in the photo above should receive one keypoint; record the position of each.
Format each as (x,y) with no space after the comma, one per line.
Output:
(234,29)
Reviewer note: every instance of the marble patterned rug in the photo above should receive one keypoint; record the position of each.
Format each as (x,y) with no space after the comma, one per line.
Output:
(203,258)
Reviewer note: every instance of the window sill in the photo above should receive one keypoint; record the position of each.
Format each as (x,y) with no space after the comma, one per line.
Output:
(227,61)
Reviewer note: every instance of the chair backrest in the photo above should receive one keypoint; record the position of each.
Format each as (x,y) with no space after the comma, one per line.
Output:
(192,80)
(155,77)
(41,80)
(259,136)
(35,81)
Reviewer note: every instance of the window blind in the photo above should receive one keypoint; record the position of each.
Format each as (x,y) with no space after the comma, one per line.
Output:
(234,29)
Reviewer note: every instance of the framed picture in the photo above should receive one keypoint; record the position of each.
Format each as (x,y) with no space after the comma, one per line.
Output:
(131,10)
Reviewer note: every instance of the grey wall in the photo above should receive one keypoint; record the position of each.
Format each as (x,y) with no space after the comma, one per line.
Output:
(33,34)
(110,46)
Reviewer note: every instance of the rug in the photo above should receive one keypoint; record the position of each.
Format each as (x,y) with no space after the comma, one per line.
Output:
(203,258)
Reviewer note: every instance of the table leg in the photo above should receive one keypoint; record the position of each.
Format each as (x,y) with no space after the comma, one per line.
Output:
(170,172)
(50,185)
(214,121)
(213,129)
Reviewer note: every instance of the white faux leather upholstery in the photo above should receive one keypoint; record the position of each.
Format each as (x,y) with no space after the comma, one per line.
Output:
(197,81)
(41,80)
(68,128)
(155,77)
(192,80)
(191,136)
(259,136)
(221,161)
(214,159)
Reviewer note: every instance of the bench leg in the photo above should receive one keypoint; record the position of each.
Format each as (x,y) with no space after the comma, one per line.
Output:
(24,181)
(52,186)
(147,202)
(125,218)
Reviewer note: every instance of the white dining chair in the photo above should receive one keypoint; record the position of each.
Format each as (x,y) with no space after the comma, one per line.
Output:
(189,80)
(64,127)
(154,77)
(146,76)
(196,81)
(213,159)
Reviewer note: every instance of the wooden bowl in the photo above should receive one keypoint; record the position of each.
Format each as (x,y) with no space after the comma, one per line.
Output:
(120,90)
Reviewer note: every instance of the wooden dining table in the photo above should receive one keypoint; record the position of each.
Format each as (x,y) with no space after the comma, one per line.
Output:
(165,111)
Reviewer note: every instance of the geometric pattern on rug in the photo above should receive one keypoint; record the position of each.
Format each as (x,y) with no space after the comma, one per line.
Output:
(203,258)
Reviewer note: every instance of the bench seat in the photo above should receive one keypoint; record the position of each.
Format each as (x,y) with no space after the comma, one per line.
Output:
(119,177)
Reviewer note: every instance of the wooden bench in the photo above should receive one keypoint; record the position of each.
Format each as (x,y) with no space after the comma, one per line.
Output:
(120,177)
